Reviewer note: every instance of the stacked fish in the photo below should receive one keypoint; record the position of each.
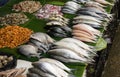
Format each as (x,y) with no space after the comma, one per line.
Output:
(70,7)
(57,26)
(90,18)
(39,43)
(71,50)
(46,67)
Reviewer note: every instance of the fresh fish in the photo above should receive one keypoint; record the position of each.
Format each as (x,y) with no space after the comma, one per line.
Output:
(72,4)
(61,72)
(73,47)
(91,3)
(68,60)
(86,17)
(29,50)
(88,29)
(86,22)
(66,53)
(81,1)
(104,2)
(90,14)
(44,67)
(40,72)
(51,23)
(55,62)
(84,36)
(70,11)
(57,30)
(84,39)
(42,37)
(81,31)
(79,43)
(53,34)
(41,46)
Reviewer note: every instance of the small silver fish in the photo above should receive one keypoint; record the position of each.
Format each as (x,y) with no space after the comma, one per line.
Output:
(44,67)
(55,62)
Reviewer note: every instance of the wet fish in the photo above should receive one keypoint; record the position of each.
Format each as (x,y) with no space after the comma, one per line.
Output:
(42,37)
(55,62)
(67,54)
(29,50)
(88,29)
(44,67)
(68,60)
(86,22)
(73,47)
(86,17)
(84,39)
(84,36)
(104,2)
(79,43)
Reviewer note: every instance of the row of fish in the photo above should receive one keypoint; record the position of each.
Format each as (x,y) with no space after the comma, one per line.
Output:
(38,43)
(57,26)
(47,67)
(90,16)
(70,50)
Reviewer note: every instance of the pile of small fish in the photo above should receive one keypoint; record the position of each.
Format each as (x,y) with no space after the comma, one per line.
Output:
(57,26)
(46,67)
(27,6)
(71,50)
(38,43)
(47,10)
(13,19)
(13,73)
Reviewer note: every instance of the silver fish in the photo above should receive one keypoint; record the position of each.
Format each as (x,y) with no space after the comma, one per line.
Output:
(44,67)
(29,50)
(55,62)
(73,47)
(79,43)
(86,17)
(67,54)
(68,60)
(42,37)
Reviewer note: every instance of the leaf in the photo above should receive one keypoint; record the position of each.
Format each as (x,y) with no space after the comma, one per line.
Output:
(101,44)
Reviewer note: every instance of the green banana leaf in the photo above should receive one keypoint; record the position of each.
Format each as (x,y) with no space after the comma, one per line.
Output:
(37,25)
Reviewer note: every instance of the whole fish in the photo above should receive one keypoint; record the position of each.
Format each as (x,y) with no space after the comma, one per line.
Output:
(84,36)
(91,3)
(104,2)
(90,14)
(67,54)
(68,60)
(55,62)
(44,67)
(87,28)
(73,47)
(86,17)
(84,39)
(79,43)
(86,22)
(29,51)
